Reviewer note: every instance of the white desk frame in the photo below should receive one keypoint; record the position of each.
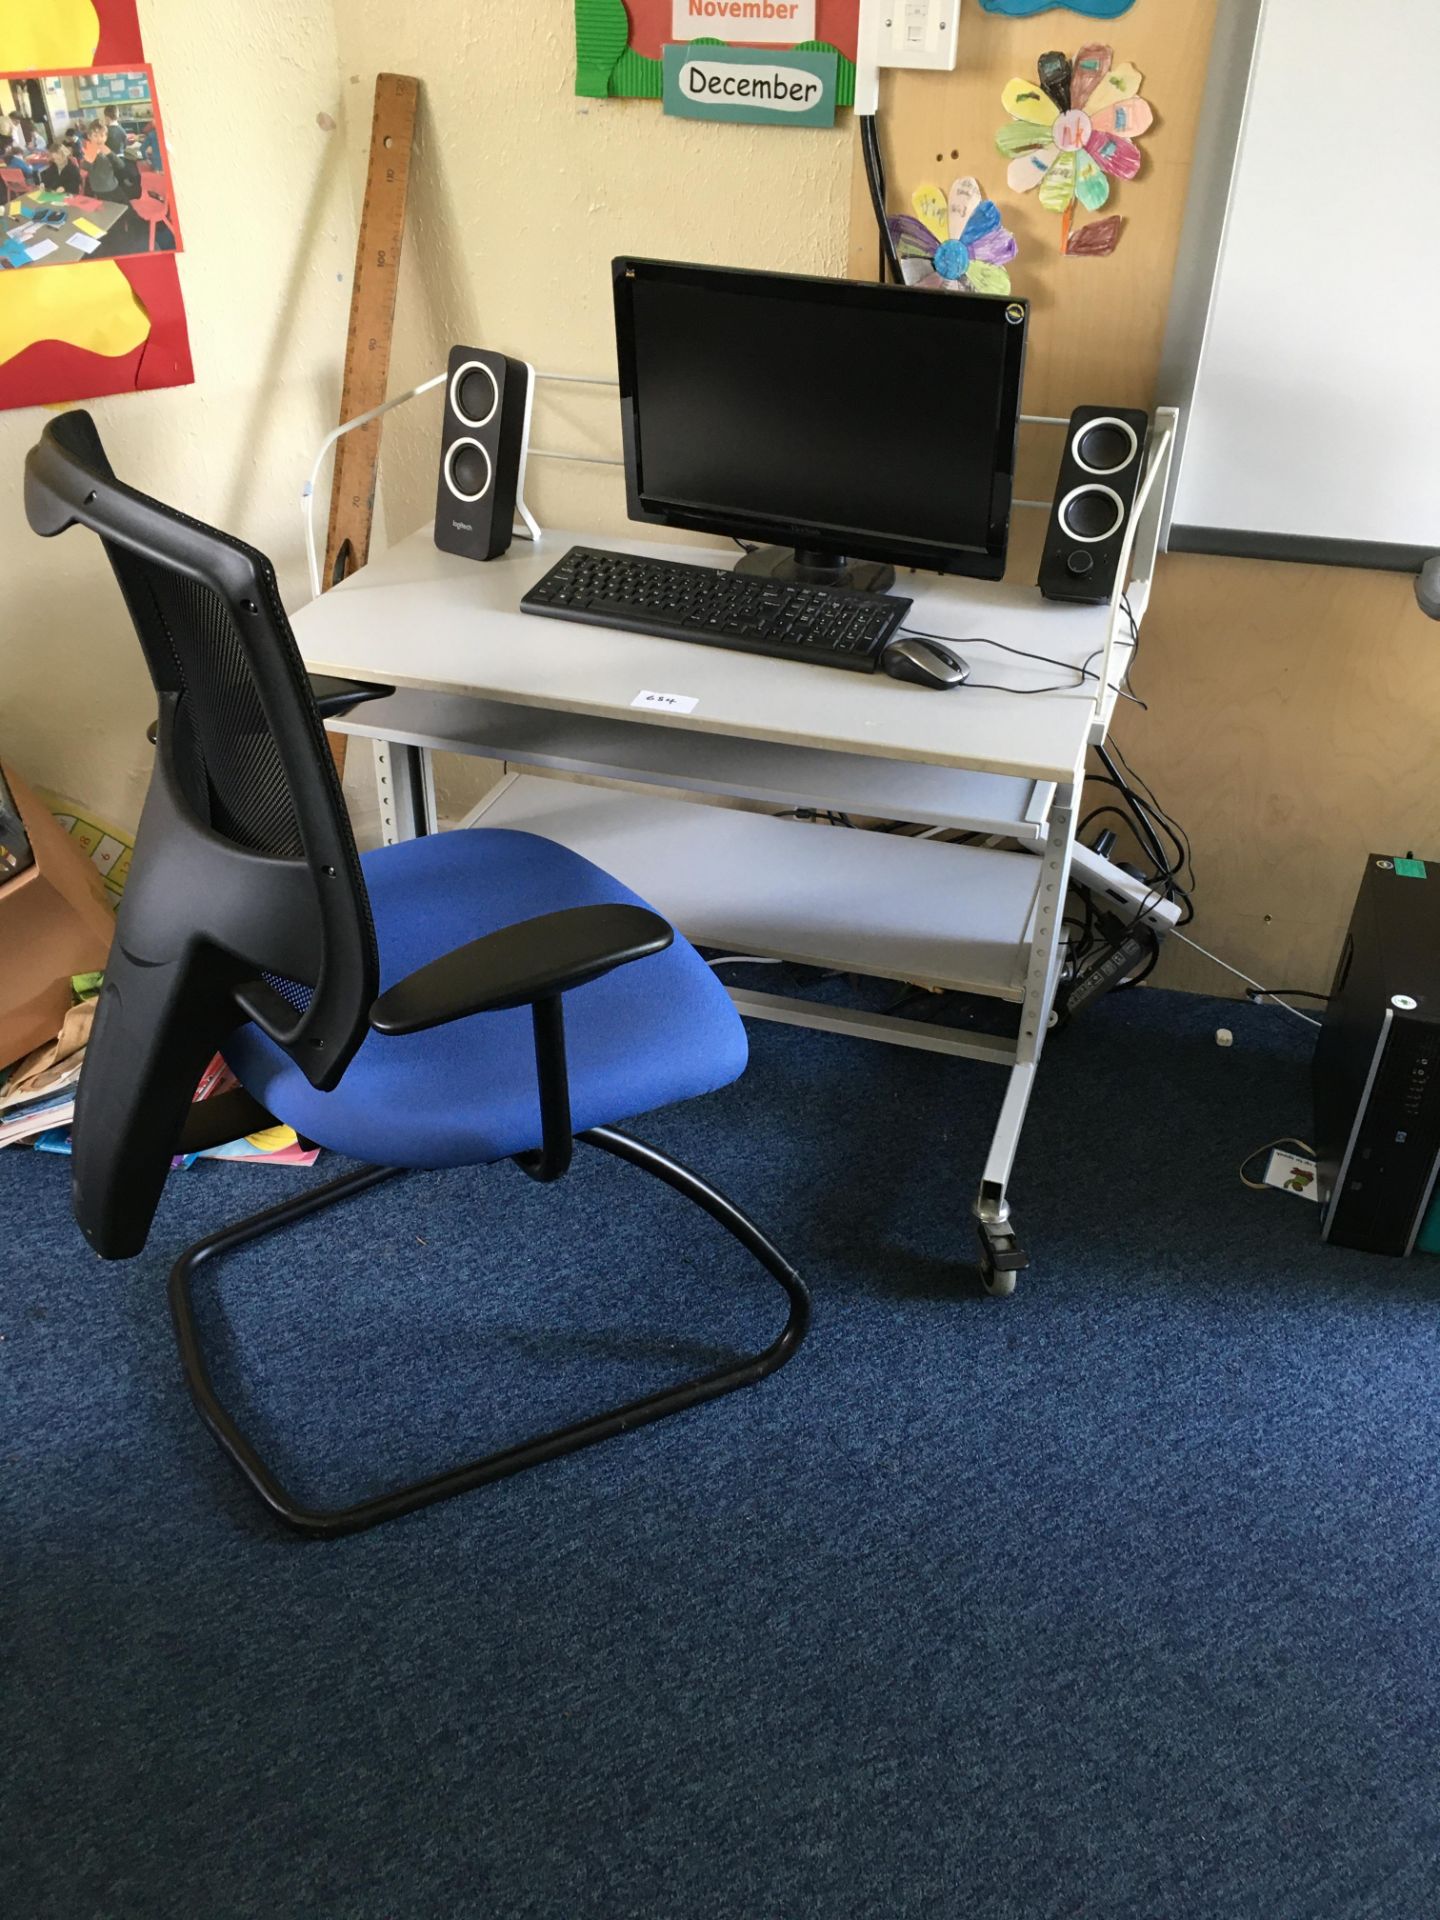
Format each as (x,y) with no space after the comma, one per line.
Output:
(472,675)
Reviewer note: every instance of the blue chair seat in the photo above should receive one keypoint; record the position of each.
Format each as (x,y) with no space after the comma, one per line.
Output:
(656,1031)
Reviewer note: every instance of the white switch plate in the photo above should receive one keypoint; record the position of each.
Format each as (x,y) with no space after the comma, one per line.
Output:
(918,33)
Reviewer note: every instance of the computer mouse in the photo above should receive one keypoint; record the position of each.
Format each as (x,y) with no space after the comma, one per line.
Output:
(924,662)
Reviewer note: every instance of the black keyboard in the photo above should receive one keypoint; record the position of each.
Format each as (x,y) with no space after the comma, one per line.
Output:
(832,626)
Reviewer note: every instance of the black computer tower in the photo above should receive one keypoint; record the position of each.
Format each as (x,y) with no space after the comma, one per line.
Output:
(1377,1064)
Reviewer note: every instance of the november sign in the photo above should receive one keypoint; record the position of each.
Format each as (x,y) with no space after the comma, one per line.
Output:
(777,22)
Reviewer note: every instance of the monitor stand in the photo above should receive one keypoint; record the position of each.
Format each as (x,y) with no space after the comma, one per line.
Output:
(803,567)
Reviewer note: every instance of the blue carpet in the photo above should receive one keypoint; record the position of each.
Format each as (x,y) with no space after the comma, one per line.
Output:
(1118,1599)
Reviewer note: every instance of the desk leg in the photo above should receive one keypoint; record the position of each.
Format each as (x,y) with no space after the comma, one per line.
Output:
(1002,1258)
(405,783)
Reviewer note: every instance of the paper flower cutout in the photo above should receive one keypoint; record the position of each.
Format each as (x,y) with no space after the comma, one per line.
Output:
(1072,134)
(1022,9)
(974,260)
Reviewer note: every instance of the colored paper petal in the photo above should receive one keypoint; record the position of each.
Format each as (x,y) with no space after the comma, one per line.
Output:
(933,281)
(1120,83)
(1092,188)
(913,239)
(1022,9)
(1021,136)
(985,219)
(981,277)
(1029,102)
(1118,157)
(933,209)
(1099,238)
(965,197)
(996,249)
(1054,72)
(1057,189)
(62,33)
(1092,63)
(1129,117)
(915,271)
(1031,168)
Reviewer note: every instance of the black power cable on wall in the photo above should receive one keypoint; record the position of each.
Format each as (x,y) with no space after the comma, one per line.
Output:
(889,262)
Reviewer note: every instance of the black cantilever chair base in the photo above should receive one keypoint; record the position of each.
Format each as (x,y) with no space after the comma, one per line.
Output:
(456,1000)
(319,1524)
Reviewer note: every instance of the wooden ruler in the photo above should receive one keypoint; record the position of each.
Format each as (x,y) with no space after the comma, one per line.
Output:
(367,344)
(372,320)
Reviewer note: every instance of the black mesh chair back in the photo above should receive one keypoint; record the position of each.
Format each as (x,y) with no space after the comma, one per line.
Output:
(245,899)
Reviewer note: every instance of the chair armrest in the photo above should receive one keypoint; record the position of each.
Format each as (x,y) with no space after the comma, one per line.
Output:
(517,966)
(332,698)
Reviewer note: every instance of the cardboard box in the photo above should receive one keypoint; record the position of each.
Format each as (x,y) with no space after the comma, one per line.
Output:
(54,921)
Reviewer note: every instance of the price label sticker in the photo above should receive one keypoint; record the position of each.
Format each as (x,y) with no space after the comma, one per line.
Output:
(665,702)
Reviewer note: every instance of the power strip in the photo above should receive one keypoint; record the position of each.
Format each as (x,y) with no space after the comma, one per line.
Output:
(1135,898)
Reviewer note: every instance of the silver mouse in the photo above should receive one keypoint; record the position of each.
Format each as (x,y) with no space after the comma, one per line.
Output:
(924,662)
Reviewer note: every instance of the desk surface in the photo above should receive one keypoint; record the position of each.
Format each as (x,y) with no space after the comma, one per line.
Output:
(415,617)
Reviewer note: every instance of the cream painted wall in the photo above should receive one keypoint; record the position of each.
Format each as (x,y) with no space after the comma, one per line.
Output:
(270,241)
(522,194)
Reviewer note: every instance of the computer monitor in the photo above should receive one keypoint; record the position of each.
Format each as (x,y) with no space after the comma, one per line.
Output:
(836,420)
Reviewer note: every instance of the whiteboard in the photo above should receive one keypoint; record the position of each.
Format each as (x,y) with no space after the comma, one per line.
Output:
(1311,360)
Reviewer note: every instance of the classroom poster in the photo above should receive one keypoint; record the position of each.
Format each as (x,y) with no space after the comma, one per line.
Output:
(116,322)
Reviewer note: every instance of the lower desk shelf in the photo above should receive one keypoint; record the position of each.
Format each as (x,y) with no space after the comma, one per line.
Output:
(924,911)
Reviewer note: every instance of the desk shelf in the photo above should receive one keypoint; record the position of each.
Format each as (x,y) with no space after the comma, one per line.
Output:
(721,765)
(912,910)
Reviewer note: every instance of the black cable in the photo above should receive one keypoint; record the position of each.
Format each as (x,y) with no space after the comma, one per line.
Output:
(989,686)
(1124,690)
(1142,818)
(1146,805)
(1021,653)
(875,180)
(1173,827)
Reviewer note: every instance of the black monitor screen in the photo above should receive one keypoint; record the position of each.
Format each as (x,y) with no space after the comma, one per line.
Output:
(870,420)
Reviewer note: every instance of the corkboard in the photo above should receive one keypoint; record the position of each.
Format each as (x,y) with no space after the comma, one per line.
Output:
(1293,710)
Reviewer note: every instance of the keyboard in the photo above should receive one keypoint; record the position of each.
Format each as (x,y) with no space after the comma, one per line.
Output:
(831,626)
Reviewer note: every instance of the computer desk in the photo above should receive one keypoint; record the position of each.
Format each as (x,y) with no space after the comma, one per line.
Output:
(473,675)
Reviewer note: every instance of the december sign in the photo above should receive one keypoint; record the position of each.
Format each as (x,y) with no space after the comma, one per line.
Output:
(746,83)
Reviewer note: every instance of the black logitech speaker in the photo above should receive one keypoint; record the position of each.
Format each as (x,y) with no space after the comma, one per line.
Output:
(1094,499)
(487,398)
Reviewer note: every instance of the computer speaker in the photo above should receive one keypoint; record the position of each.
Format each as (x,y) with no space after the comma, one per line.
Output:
(482,452)
(1094,501)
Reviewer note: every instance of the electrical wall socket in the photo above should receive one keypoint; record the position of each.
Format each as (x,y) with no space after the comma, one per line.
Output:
(917,33)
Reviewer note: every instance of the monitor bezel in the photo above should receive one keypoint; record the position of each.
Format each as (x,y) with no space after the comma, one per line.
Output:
(985,561)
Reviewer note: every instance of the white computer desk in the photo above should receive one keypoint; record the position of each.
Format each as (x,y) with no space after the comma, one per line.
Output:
(474,675)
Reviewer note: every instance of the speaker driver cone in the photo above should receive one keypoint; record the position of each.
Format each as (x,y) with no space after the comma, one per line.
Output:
(1090,514)
(474,395)
(468,470)
(1105,446)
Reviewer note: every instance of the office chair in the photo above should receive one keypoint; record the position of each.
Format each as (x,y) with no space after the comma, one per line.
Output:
(455,1000)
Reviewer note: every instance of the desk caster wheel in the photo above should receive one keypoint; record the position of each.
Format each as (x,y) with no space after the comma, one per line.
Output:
(1002,1259)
